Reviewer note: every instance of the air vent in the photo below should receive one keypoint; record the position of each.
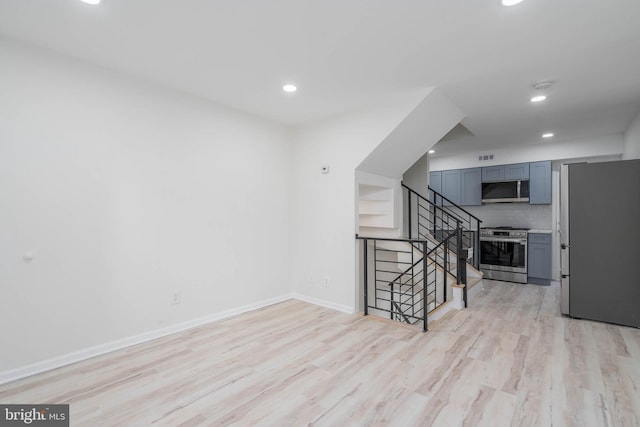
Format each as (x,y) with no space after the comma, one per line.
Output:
(485,157)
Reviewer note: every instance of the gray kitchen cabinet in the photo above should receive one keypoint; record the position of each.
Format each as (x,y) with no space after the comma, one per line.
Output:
(451,188)
(539,259)
(461,186)
(540,183)
(516,171)
(471,187)
(493,173)
(511,172)
(435,181)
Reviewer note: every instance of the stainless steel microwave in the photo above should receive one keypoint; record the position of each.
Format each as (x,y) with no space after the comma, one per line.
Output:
(505,192)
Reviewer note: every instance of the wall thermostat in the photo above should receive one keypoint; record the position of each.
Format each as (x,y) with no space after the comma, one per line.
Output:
(325,169)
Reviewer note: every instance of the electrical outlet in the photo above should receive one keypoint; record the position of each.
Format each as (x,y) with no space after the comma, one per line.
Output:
(325,282)
(175,297)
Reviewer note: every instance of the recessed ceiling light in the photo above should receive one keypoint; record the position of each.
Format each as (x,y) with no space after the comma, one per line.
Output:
(432,151)
(538,98)
(510,2)
(91,1)
(547,135)
(289,88)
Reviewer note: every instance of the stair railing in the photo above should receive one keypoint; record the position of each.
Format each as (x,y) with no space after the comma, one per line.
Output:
(421,285)
(432,216)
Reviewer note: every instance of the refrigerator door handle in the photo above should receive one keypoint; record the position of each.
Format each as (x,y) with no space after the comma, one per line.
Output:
(565,270)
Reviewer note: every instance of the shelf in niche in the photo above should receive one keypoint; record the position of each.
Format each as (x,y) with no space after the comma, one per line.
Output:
(377,221)
(375,207)
(375,192)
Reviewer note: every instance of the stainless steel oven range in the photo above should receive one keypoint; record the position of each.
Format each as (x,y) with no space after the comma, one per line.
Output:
(503,253)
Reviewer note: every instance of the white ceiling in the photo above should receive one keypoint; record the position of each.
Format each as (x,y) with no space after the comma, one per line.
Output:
(348,54)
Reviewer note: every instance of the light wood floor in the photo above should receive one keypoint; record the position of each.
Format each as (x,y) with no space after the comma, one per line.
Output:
(510,359)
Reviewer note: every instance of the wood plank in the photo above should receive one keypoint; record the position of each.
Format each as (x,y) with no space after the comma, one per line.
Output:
(509,359)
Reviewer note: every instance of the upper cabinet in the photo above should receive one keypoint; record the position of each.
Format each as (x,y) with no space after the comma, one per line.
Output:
(493,174)
(460,186)
(471,187)
(451,185)
(540,183)
(435,181)
(516,171)
(464,186)
(499,173)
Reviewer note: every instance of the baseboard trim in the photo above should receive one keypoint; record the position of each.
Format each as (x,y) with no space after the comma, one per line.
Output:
(324,303)
(98,350)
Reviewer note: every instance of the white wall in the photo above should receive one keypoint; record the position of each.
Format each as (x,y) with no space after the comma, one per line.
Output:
(593,146)
(125,192)
(325,205)
(420,130)
(632,140)
(514,215)
(417,176)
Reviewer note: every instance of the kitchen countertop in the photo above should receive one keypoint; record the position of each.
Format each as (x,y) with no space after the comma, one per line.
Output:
(541,231)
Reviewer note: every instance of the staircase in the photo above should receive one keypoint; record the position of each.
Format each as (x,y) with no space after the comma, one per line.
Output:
(430,217)
(409,279)
(406,279)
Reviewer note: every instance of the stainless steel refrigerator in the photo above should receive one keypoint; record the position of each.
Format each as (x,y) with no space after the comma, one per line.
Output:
(600,241)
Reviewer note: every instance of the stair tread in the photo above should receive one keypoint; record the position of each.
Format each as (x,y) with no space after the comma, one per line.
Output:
(472,281)
(475,270)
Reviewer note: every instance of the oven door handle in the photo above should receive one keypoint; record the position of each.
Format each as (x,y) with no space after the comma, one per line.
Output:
(493,239)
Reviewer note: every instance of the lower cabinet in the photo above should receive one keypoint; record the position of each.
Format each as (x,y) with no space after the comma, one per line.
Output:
(539,259)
